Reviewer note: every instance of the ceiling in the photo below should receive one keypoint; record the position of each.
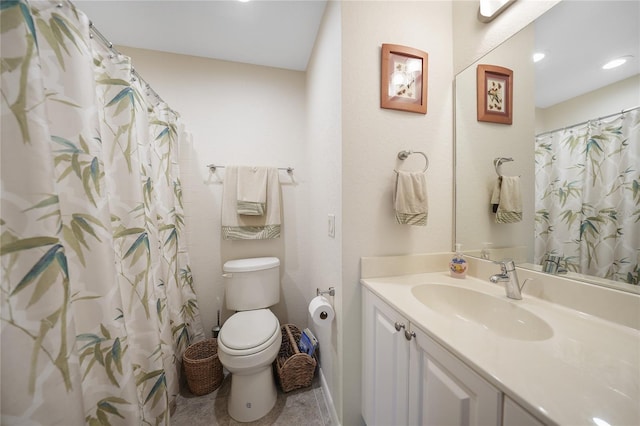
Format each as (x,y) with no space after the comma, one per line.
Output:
(578,37)
(277,34)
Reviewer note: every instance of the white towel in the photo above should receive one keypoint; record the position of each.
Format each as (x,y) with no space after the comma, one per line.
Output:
(410,198)
(240,227)
(507,195)
(495,195)
(252,190)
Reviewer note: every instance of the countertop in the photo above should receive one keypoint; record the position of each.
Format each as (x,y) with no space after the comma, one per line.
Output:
(587,373)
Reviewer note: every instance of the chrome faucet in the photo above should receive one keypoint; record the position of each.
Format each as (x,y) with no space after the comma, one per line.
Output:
(509,276)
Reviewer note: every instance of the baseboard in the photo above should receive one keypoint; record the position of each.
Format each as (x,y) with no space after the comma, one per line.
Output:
(329,400)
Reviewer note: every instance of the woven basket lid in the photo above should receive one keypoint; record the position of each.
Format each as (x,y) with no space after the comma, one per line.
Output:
(248,329)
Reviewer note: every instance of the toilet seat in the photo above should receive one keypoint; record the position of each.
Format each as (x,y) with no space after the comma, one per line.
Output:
(249,332)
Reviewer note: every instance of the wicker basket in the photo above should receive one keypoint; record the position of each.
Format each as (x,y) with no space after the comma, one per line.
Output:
(202,367)
(294,369)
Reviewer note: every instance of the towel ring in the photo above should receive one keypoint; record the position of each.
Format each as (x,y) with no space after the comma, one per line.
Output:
(402,155)
(497,162)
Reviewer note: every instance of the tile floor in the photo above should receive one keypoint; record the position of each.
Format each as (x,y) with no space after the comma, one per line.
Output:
(305,406)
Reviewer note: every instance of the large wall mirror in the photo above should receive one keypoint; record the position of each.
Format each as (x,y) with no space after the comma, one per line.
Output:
(569,97)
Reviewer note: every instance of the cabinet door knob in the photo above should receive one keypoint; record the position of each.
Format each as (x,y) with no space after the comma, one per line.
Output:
(409,334)
(399,326)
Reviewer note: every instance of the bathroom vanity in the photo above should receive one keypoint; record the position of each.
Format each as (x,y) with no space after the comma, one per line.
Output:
(439,350)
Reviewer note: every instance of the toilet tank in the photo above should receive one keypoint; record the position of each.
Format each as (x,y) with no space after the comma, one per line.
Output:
(251,283)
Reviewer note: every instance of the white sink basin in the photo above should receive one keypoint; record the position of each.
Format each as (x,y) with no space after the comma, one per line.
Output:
(501,316)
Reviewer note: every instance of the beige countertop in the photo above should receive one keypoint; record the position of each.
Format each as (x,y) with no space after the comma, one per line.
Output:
(586,373)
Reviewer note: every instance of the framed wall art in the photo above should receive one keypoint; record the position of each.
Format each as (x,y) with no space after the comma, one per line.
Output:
(403,83)
(495,94)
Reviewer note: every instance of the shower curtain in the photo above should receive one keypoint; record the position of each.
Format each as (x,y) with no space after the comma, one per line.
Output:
(588,197)
(97,304)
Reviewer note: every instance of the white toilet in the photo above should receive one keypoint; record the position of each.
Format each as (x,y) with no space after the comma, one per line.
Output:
(250,339)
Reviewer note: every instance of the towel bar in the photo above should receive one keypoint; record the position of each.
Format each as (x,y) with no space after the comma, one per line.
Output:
(212,168)
(402,155)
(497,162)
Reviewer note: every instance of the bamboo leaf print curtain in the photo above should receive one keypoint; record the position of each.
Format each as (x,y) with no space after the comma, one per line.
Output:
(97,303)
(588,197)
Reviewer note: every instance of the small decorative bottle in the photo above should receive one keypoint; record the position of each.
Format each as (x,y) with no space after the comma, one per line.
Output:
(458,265)
(486,251)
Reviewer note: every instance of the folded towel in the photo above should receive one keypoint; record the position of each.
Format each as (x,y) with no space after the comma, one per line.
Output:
(410,198)
(252,190)
(241,227)
(508,196)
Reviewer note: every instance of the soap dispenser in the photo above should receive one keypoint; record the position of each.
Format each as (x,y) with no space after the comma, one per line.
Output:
(458,265)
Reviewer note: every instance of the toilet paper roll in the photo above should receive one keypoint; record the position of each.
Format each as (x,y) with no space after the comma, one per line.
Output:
(321,310)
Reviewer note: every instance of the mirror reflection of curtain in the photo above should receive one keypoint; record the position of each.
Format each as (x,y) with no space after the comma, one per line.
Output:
(588,197)
(97,304)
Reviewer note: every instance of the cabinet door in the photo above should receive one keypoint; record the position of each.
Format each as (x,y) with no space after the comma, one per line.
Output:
(515,415)
(444,391)
(385,382)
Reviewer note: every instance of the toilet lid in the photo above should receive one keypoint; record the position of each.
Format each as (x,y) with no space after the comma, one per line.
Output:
(248,329)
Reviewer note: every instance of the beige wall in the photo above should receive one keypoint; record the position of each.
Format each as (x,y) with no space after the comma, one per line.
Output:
(329,126)
(237,114)
(372,138)
(479,143)
(324,158)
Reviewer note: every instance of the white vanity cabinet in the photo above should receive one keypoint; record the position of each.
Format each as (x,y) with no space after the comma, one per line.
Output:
(410,379)
(444,391)
(385,375)
(515,415)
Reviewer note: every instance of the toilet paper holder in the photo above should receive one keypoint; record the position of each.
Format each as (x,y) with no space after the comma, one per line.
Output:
(330,292)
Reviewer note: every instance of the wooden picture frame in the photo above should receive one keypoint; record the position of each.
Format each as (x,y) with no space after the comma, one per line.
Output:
(403,81)
(495,94)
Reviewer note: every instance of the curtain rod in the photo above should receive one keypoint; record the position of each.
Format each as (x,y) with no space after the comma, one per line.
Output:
(624,111)
(110,46)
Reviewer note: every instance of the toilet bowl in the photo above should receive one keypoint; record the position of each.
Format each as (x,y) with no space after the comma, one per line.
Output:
(249,341)
(248,344)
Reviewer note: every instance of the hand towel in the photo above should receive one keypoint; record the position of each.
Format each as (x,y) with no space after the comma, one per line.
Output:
(252,190)
(509,199)
(495,195)
(241,227)
(410,198)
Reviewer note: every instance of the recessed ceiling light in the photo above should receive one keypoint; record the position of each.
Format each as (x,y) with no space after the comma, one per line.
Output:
(244,1)
(615,62)
(538,56)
